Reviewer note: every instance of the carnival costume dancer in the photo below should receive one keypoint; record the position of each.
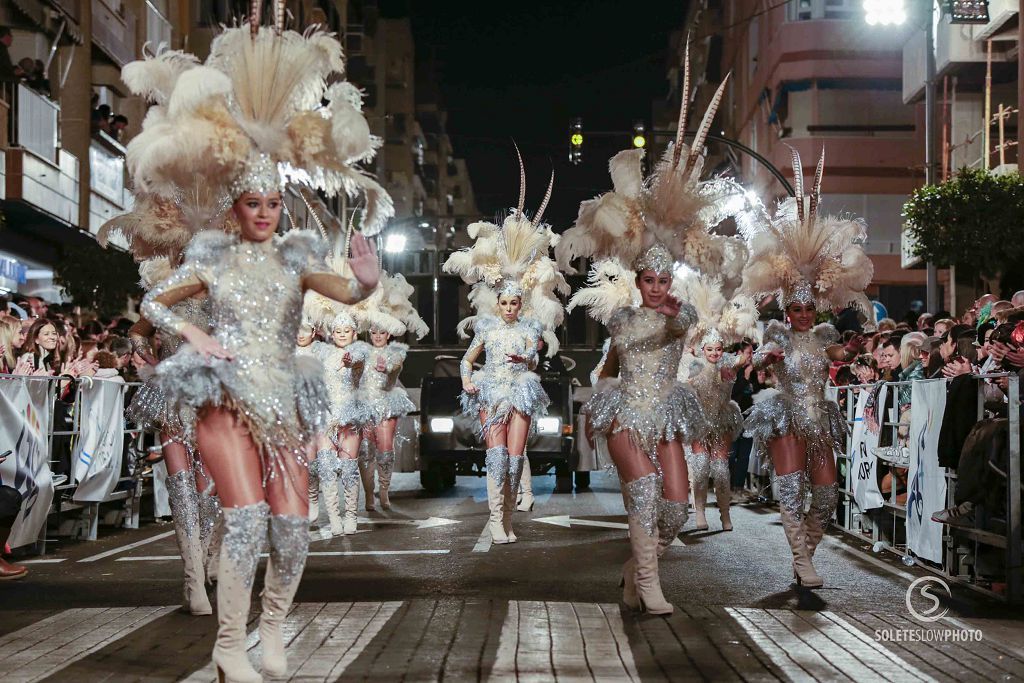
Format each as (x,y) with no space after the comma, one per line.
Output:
(711,376)
(809,263)
(157,231)
(386,313)
(517,307)
(195,510)
(307,344)
(257,106)
(345,367)
(645,414)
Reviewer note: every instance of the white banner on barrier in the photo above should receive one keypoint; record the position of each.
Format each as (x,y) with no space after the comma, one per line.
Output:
(926,480)
(24,418)
(97,459)
(864,464)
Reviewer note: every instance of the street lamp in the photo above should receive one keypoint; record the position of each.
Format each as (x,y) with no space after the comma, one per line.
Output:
(885,12)
(394,243)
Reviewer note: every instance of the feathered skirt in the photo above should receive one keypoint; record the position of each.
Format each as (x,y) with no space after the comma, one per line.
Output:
(282,400)
(498,395)
(150,411)
(817,421)
(674,415)
(725,423)
(385,405)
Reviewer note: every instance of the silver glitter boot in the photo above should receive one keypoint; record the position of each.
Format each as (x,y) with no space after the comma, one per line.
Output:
(791,509)
(824,498)
(184,499)
(723,490)
(526,499)
(349,480)
(515,472)
(496,463)
(367,468)
(508,506)
(643,539)
(245,534)
(289,545)
(700,467)
(385,466)
(672,516)
(212,525)
(314,484)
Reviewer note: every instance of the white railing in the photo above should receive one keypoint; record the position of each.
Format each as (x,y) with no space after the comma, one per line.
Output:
(158,29)
(106,171)
(36,125)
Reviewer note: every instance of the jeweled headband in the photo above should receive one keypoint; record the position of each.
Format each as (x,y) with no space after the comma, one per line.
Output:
(510,287)
(344,319)
(713,336)
(260,175)
(803,293)
(656,258)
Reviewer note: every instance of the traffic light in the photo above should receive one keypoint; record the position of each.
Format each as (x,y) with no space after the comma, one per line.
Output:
(639,135)
(576,141)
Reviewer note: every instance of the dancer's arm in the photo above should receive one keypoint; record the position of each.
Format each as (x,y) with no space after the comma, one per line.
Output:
(141,337)
(365,270)
(476,347)
(156,307)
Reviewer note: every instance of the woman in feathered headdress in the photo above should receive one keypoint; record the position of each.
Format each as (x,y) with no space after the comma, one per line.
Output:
(514,296)
(386,313)
(810,263)
(639,406)
(252,110)
(712,375)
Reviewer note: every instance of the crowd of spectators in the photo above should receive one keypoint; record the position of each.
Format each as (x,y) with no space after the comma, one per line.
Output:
(31,72)
(103,119)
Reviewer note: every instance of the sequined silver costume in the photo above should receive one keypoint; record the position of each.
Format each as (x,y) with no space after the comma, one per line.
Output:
(798,405)
(503,386)
(348,402)
(725,421)
(255,294)
(385,398)
(648,400)
(149,408)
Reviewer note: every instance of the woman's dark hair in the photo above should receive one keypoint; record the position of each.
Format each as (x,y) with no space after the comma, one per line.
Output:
(844,376)
(53,361)
(867,360)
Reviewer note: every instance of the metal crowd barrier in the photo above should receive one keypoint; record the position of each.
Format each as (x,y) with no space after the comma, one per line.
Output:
(76,519)
(962,546)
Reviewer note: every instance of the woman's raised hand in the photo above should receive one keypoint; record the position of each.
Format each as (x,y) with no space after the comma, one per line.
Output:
(206,345)
(671,307)
(363,262)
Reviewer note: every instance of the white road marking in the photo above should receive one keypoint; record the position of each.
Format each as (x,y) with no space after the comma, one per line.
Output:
(569,522)
(563,640)
(53,560)
(344,631)
(483,543)
(51,644)
(124,548)
(428,523)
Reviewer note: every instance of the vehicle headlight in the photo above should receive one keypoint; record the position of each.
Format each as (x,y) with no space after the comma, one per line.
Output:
(549,425)
(442,425)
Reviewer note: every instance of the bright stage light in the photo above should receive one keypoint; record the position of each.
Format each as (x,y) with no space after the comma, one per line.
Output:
(885,12)
(394,243)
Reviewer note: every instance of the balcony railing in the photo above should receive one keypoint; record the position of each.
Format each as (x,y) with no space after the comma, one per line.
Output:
(158,29)
(36,123)
(113,30)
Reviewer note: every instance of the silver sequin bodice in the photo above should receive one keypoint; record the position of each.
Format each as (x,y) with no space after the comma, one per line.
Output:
(377,382)
(500,340)
(713,392)
(649,346)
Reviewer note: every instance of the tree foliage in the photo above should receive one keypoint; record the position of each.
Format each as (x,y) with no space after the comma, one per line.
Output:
(973,221)
(98,278)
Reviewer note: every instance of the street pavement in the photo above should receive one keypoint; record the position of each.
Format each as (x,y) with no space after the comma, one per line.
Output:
(421,594)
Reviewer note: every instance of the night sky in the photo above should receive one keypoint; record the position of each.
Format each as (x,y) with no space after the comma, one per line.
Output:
(523,70)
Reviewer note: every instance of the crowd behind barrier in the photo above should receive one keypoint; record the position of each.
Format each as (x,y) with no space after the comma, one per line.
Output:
(75,459)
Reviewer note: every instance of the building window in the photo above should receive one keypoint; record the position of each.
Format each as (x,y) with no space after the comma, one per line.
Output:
(806,10)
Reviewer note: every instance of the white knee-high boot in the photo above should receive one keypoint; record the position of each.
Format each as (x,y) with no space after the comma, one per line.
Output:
(289,546)
(349,479)
(385,466)
(723,491)
(644,494)
(526,499)
(184,499)
(700,468)
(496,464)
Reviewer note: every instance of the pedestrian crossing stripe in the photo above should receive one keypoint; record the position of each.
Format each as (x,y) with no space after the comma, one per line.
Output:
(491,640)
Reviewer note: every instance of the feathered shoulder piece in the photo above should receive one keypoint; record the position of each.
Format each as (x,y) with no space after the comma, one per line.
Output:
(721,320)
(208,247)
(668,218)
(801,256)
(154,271)
(610,286)
(512,259)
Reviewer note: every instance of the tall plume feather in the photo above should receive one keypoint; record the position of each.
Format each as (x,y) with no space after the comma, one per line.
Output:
(522,181)
(705,126)
(255,16)
(684,106)
(279,7)
(547,198)
(819,172)
(798,183)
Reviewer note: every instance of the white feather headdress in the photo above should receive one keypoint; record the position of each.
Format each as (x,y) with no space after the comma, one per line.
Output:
(388,308)
(513,257)
(718,318)
(802,256)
